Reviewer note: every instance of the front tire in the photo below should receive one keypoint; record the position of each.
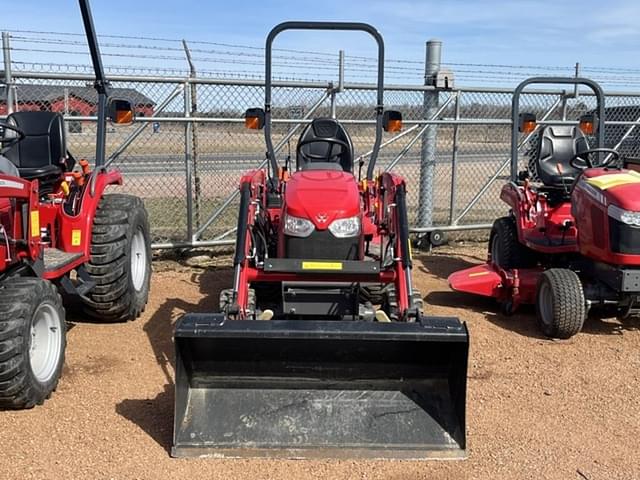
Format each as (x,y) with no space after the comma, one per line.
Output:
(504,248)
(560,303)
(120,262)
(32,341)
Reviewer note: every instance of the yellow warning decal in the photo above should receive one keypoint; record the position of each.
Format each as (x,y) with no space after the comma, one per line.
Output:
(478,274)
(76,238)
(322,265)
(35,223)
(604,182)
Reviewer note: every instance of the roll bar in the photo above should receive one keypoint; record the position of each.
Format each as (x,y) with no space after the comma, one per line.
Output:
(347,26)
(101,84)
(515,110)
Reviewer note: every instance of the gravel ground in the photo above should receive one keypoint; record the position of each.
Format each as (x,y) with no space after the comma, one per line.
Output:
(536,408)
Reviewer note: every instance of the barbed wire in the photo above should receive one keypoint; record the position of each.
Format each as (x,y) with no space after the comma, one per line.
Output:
(237,61)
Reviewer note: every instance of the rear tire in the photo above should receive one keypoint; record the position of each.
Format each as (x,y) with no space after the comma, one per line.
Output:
(560,303)
(32,341)
(120,262)
(505,249)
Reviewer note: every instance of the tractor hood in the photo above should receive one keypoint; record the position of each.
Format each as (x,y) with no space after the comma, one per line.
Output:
(617,187)
(321,196)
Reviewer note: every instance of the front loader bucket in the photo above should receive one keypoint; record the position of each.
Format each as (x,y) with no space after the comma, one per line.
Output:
(306,388)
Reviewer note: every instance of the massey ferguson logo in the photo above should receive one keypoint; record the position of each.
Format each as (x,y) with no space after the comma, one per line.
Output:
(322,217)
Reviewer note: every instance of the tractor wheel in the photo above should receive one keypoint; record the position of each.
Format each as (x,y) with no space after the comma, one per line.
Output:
(225,301)
(560,303)
(120,262)
(437,238)
(505,249)
(390,303)
(32,341)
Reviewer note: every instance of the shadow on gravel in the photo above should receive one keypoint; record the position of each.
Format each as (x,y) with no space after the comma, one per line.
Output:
(155,416)
(443,265)
(600,324)
(522,323)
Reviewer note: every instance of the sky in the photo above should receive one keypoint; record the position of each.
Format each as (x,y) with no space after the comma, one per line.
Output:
(538,33)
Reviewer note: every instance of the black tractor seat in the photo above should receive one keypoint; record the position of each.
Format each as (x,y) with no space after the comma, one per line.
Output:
(557,146)
(42,153)
(324,145)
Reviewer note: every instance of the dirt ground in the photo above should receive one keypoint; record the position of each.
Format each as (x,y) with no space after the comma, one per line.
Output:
(536,408)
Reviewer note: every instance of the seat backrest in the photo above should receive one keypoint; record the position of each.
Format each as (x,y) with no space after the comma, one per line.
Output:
(321,154)
(558,145)
(44,142)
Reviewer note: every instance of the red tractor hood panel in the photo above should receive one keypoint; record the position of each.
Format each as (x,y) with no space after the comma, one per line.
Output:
(321,196)
(618,187)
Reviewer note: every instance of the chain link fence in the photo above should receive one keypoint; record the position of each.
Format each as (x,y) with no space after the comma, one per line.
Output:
(186,151)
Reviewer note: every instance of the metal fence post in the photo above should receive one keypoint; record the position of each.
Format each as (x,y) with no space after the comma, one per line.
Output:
(188,161)
(340,86)
(8,80)
(429,137)
(193,133)
(454,163)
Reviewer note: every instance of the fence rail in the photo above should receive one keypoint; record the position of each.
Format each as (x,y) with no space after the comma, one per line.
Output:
(187,149)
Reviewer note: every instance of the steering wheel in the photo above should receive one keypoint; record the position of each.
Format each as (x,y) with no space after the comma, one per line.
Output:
(312,156)
(8,141)
(585,158)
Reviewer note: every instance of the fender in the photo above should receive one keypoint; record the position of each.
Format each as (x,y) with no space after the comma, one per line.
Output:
(75,232)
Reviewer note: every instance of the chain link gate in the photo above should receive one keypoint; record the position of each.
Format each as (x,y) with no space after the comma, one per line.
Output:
(187,149)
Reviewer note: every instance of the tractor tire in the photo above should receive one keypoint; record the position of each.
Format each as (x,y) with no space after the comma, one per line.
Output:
(32,341)
(374,293)
(505,249)
(560,303)
(390,303)
(120,262)
(225,301)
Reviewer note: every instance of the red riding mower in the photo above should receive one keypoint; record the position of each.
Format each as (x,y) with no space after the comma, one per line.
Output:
(321,347)
(60,234)
(571,241)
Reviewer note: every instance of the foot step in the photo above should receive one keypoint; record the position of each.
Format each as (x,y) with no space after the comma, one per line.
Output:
(55,259)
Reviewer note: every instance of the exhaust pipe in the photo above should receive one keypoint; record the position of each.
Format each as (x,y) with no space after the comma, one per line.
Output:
(318,389)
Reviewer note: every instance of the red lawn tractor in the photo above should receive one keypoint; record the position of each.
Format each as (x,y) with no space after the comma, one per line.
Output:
(62,236)
(321,347)
(571,241)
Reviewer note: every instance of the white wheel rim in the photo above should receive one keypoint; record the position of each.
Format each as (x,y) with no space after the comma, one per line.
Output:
(138,260)
(46,342)
(545,304)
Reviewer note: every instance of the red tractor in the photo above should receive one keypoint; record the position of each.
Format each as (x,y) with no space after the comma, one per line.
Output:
(571,241)
(321,346)
(62,236)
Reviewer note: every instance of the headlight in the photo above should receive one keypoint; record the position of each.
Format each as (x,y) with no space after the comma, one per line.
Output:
(625,216)
(297,227)
(345,227)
